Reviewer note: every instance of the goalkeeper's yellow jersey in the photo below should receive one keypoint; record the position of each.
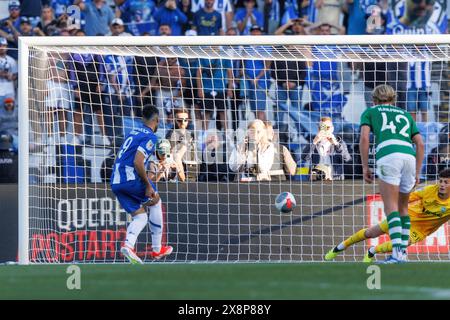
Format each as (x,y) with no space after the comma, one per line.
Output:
(427,209)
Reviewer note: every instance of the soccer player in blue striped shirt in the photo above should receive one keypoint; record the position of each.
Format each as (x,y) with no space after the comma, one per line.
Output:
(135,192)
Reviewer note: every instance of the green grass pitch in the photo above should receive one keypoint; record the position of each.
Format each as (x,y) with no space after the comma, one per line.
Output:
(227,281)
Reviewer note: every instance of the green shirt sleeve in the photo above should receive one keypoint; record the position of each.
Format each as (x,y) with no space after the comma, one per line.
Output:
(366,119)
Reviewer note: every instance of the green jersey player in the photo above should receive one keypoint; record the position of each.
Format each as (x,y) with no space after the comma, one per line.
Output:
(397,162)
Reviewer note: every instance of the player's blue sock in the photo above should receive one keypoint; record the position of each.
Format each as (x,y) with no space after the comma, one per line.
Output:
(135,228)
(156,224)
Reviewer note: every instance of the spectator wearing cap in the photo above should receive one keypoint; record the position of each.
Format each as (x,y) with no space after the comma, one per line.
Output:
(162,165)
(170,14)
(48,23)
(118,28)
(8,25)
(207,21)
(98,16)
(224,7)
(26,28)
(8,72)
(248,17)
(9,120)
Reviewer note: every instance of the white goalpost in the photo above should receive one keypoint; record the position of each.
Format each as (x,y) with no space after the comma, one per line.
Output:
(79,97)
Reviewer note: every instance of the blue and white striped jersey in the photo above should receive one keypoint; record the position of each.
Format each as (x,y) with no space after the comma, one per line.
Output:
(419,73)
(121,68)
(312,12)
(141,139)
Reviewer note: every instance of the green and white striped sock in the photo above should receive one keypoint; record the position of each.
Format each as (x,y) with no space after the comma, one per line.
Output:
(406,225)
(395,233)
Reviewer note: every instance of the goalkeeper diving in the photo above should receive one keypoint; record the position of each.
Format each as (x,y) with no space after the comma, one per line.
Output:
(428,209)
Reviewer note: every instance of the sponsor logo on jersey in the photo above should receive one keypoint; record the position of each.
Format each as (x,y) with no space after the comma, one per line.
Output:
(149,145)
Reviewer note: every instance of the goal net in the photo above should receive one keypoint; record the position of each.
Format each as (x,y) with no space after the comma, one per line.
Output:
(242,115)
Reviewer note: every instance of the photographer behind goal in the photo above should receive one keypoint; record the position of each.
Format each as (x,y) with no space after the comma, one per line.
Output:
(254,156)
(327,153)
(163,166)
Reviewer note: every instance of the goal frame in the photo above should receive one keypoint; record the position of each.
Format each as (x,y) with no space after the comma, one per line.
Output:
(25,43)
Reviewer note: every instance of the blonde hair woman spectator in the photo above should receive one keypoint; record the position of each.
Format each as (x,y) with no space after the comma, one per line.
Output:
(254,156)
(48,23)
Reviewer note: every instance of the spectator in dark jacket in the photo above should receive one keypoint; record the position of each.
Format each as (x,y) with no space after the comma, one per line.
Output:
(171,15)
(186,7)
(48,23)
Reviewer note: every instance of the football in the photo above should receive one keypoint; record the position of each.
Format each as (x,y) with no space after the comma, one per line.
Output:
(285,202)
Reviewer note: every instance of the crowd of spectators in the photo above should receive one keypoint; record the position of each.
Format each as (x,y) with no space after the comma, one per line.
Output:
(91,92)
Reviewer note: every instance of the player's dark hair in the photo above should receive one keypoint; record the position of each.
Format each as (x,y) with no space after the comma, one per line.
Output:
(444,173)
(149,111)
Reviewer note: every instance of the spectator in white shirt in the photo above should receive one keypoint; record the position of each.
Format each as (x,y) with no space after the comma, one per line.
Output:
(8,72)
(254,156)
